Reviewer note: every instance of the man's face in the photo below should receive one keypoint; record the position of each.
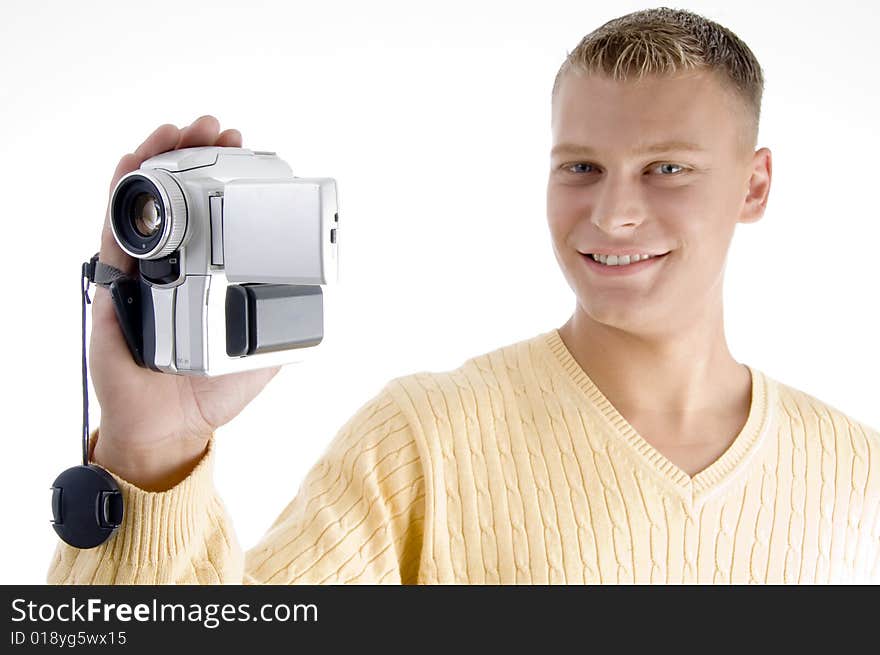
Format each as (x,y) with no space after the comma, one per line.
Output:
(675,201)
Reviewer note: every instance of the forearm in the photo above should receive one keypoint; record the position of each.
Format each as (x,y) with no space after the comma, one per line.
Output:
(162,467)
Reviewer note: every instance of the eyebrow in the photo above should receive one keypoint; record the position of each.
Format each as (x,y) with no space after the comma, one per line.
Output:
(665,146)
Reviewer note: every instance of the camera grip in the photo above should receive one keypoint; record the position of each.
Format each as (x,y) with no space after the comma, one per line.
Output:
(126,295)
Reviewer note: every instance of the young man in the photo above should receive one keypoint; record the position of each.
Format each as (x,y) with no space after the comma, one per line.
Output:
(626,446)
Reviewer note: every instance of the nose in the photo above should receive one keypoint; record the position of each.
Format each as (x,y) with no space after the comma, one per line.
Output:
(618,204)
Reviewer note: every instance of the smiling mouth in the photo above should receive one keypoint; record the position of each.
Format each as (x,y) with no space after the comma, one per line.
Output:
(593,258)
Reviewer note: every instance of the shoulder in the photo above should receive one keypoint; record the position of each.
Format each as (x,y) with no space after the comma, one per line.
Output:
(454,389)
(808,407)
(813,415)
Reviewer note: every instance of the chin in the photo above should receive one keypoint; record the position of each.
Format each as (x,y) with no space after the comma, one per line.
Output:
(624,316)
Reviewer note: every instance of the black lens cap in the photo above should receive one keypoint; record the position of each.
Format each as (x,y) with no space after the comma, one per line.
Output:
(86,506)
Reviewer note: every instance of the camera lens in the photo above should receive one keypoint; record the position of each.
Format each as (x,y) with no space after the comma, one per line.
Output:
(147,216)
(138,216)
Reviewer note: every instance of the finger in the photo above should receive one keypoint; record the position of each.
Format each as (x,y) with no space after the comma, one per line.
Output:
(203,132)
(110,252)
(126,165)
(229,138)
(163,139)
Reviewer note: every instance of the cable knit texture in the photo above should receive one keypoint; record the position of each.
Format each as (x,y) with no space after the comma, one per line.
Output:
(515,469)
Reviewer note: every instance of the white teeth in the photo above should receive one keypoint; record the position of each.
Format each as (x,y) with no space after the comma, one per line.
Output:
(623,260)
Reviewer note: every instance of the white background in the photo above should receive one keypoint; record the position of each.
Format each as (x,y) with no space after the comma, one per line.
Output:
(435,122)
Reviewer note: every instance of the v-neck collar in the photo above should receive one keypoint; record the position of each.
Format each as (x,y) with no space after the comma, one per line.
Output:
(705,482)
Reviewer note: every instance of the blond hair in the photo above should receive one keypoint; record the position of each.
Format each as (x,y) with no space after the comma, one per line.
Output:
(665,42)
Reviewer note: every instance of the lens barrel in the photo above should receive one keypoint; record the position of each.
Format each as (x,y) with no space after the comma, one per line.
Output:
(148,214)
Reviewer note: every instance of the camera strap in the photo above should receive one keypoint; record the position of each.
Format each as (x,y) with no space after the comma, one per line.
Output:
(87,505)
(99,273)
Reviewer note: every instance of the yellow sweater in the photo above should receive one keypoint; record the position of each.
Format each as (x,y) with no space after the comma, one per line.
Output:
(514,468)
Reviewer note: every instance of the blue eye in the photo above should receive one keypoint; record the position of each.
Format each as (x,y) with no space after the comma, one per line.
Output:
(675,165)
(570,166)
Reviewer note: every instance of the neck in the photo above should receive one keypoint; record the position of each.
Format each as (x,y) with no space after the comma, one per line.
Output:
(682,376)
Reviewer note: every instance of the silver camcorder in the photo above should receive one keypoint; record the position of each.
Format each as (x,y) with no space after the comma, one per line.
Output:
(232,251)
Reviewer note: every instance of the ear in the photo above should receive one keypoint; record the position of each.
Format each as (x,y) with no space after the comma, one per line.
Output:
(758,189)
